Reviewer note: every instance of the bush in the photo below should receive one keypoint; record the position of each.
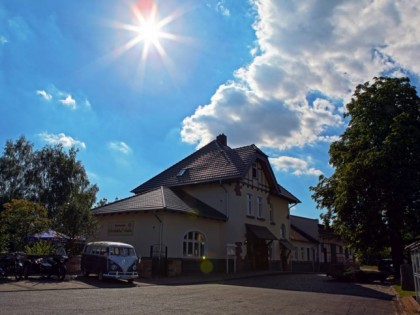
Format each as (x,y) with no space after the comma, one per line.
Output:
(40,248)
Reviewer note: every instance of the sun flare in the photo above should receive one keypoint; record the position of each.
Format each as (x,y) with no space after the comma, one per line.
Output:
(149,30)
(148,34)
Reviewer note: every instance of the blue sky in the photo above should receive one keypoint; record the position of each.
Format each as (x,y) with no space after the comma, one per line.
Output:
(272,73)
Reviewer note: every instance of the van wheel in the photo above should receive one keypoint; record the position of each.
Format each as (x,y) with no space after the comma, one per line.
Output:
(85,273)
(101,276)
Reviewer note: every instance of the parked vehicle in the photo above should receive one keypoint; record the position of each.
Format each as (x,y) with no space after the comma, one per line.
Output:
(46,265)
(11,265)
(386,266)
(110,260)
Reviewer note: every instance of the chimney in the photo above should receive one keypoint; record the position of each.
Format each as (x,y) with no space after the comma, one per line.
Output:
(222,139)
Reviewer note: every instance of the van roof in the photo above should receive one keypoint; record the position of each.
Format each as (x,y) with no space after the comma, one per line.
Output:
(106,243)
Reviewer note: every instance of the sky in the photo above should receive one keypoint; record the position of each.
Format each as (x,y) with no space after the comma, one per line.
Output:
(137,86)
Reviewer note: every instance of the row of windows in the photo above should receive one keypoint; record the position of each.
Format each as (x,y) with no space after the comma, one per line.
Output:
(259,208)
(194,244)
(304,254)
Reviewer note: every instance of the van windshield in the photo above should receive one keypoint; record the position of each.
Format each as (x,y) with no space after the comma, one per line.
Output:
(121,251)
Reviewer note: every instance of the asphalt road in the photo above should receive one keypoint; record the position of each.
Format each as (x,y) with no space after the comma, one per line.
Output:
(276,294)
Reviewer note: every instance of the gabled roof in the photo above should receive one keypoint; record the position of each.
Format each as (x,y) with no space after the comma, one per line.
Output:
(213,163)
(161,199)
(302,235)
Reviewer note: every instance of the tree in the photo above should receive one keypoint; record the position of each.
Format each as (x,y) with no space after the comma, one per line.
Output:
(22,218)
(372,199)
(16,166)
(51,176)
(75,218)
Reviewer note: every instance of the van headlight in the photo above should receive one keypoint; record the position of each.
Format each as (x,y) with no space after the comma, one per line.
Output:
(114,267)
(134,267)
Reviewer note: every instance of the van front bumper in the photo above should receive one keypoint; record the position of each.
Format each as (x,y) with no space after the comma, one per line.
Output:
(121,275)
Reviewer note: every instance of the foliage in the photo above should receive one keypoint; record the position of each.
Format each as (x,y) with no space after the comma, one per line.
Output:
(40,248)
(75,217)
(52,177)
(21,218)
(16,167)
(372,199)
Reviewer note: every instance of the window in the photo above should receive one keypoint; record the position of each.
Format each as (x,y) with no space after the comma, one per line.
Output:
(308,255)
(260,207)
(249,204)
(271,215)
(254,170)
(302,251)
(181,172)
(194,244)
(283,231)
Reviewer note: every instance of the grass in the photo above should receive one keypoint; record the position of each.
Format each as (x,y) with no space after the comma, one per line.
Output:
(369,267)
(403,293)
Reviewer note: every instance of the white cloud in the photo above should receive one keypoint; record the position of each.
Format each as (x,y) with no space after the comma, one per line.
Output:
(87,103)
(45,95)
(306,46)
(3,40)
(294,165)
(61,138)
(220,7)
(120,146)
(69,101)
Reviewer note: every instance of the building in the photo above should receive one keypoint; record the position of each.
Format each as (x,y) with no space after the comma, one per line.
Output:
(217,209)
(317,247)
(333,250)
(304,236)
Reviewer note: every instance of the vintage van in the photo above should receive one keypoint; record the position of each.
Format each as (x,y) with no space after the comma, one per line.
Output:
(110,260)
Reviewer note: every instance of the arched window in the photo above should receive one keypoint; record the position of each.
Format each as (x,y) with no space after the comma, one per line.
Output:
(194,244)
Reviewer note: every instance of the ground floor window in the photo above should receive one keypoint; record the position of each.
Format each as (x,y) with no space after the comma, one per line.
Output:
(194,244)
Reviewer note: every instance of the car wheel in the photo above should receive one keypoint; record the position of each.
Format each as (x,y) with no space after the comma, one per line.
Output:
(26,271)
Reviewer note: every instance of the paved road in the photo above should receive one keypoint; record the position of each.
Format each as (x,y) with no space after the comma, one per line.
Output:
(277,294)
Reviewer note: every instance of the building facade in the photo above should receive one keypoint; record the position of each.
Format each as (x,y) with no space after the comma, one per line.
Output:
(219,209)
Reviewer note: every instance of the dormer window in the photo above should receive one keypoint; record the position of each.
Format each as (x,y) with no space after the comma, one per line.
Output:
(181,172)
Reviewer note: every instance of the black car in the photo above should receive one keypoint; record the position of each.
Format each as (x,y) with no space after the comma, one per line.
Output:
(386,266)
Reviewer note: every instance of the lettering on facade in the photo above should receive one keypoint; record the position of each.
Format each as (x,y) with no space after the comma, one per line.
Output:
(121,228)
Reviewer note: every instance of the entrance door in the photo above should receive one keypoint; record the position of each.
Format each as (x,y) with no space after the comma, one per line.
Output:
(258,254)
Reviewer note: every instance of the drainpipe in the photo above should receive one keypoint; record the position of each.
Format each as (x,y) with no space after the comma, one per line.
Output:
(160,233)
(226,200)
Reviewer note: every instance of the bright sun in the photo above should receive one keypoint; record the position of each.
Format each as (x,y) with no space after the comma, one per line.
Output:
(149,30)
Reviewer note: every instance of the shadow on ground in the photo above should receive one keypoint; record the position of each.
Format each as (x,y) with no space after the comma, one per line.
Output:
(316,283)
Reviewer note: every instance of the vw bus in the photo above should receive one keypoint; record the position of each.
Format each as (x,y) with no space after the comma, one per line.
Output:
(110,260)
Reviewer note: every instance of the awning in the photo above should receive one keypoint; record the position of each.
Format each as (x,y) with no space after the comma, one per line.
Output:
(287,244)
(260,232)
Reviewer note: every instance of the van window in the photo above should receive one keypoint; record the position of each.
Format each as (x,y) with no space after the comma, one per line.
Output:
(121,251)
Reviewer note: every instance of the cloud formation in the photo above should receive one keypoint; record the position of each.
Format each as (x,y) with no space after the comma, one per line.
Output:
(311,57)
(61,138)
(45,95)
(294,165)
(120,146)
(63,98)
(69,101)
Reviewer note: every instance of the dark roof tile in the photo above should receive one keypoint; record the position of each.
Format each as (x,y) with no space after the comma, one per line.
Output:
(161,198)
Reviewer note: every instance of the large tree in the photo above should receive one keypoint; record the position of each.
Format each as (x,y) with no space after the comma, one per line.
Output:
(372,199)
(50,176)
